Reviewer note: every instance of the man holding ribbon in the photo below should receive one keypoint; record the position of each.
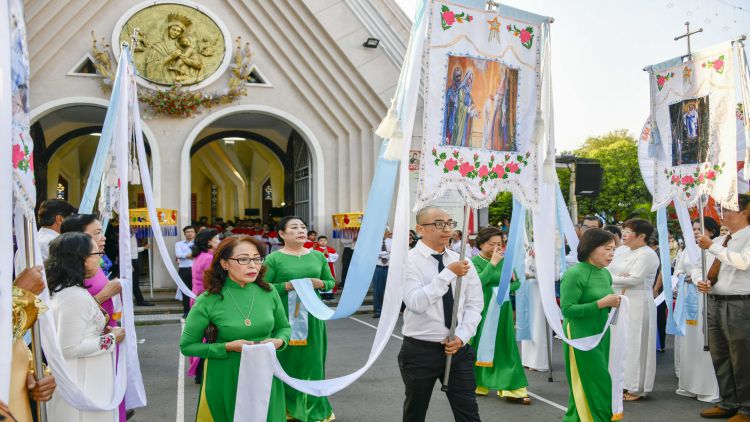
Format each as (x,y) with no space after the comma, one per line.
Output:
(431,273)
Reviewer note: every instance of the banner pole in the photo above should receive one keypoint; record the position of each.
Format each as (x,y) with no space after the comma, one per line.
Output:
(36,342)
(457,295)
(701,204)
(549,351)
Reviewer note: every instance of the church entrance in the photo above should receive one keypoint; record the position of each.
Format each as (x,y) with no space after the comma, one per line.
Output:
(249,166)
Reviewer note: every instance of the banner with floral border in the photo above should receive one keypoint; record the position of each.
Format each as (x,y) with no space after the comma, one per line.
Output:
(22,155)
(481,100)
(693,105)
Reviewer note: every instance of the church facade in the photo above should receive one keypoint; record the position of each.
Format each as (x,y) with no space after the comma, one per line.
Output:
(250,108)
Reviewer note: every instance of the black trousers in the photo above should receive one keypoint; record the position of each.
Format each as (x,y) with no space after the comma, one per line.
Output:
(137,281)
(186,274)
(421,364)
(661,324)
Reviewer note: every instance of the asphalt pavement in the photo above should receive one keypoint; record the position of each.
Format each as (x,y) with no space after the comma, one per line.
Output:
(378,395)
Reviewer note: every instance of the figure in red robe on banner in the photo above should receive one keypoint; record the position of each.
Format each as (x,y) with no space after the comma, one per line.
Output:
(332,256)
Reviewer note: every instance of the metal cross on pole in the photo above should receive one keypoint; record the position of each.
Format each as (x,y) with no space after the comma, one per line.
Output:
(701,202)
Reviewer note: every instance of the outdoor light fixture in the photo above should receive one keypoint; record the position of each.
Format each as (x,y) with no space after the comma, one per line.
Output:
(371,43)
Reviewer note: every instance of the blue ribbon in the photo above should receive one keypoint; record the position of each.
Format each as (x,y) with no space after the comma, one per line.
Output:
(515,236)
(524,317)
(105,140)
(561,210)
(677,323)
(365,254)
(666,271)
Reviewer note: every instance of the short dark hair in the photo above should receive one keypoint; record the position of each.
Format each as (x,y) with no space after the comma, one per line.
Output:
(201,241)
(186,228)
(486,233)
(743,201)
(598,220)
(216,276)
(710,225)
(323,237)
(281,226)
(614,230)
(592,239)
(51,208)
(65,266)
(77,222)
(639,226)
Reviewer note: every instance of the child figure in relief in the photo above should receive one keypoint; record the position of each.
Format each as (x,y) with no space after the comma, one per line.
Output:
(187,63)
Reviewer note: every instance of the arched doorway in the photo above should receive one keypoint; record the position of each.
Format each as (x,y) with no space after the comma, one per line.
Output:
(232,157)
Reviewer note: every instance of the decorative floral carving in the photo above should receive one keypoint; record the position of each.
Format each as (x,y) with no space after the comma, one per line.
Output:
(178,101)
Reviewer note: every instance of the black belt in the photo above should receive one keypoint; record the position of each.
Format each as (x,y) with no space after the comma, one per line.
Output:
(729,297)
(424,343)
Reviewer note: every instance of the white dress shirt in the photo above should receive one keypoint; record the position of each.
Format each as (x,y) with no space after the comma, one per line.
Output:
(182,250)
(44,237)
(384,256)
(734,273)
(423,292)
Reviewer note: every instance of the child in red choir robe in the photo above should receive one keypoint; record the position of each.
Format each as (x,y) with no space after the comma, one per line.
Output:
(332,256)
(311,237)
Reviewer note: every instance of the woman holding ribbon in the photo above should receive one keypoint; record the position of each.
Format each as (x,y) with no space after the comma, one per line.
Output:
(586,297)
(501,370)
(695,369)
(239,307)
(306,355)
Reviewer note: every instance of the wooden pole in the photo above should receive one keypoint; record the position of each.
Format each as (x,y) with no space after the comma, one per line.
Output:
(36,342)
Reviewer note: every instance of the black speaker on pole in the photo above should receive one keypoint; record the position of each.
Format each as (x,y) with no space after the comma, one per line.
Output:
(588,179)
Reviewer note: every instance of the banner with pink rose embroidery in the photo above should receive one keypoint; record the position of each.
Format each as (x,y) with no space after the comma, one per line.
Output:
(482,90)
(694,139)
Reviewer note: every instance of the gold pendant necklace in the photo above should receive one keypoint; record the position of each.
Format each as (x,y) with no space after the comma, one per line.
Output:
(246,317)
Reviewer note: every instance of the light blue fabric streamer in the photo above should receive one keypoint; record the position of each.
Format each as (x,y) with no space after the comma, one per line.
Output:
(524,318)
(365,255)
(486,346)
(561,210)
(678,321)
(507,11)
(515,236)
(666,270)
(105,140)
(297,318)
(691,302)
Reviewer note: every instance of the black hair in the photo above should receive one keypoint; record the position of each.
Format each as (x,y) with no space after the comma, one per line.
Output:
(202,239)
(598,220)
(186,228)
(639,226)
(743,201)
(284,221)
(323,237)
(51,208)
(486,234)
(711,226)
(592,239)
(65,266)
(614,230)
(77,222)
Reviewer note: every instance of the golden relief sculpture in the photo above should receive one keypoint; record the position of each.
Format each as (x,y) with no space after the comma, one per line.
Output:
(177,44)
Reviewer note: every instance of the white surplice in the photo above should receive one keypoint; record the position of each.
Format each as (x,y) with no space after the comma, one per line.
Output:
(88,356)
(695,368)
(634,271)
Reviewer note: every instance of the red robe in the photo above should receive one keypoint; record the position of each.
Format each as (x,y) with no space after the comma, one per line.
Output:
(327,250)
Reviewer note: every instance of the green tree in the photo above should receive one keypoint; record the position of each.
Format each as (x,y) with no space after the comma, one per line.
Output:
(623,192)
(501,208)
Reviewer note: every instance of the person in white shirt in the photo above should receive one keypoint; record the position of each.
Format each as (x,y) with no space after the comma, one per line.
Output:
(634,269)
(380,275)
(431,273)
(183,251)
(50,216)
(728,288)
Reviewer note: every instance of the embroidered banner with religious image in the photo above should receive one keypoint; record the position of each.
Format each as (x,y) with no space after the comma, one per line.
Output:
(481,98)
(693,106)
(24,190)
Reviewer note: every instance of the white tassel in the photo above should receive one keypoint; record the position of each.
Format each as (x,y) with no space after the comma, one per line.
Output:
(135,173)
(537,135)
(390,128)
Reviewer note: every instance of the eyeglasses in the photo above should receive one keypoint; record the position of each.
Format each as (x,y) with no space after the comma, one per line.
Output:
(245,260)
(96,253)
(441,225)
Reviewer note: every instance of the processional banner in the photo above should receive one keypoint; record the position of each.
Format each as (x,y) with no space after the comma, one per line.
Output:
(481,93)
(693,147)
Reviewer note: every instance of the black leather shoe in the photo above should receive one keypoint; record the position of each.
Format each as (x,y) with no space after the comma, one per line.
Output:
(376,315)
(144,304)
(129,414)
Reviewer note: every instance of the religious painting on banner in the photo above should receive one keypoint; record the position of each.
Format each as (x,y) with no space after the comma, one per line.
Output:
(481,99)
(695,117)
(24,190)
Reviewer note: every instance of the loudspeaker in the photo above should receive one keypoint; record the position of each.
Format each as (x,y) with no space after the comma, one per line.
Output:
(589,179)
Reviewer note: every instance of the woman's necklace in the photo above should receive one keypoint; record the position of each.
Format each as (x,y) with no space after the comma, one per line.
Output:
(299,254)
(482,256)
(247,317)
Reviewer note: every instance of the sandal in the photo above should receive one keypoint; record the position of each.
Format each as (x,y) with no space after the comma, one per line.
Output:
(519,400)
(631,397)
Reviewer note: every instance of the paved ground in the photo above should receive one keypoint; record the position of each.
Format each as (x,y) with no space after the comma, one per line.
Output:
(378,395)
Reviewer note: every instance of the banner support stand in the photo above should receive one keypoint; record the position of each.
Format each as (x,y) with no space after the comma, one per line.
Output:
(457,295)
(36,341)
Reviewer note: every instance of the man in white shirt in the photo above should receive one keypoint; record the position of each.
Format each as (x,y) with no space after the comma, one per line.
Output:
(728,288)
(183,251)
(431,273)
(51,214)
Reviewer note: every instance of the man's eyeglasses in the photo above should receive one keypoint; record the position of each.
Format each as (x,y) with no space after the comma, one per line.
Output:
(441,225)
(245,260)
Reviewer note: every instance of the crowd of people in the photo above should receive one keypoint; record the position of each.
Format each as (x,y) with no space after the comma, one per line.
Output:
(241,276)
